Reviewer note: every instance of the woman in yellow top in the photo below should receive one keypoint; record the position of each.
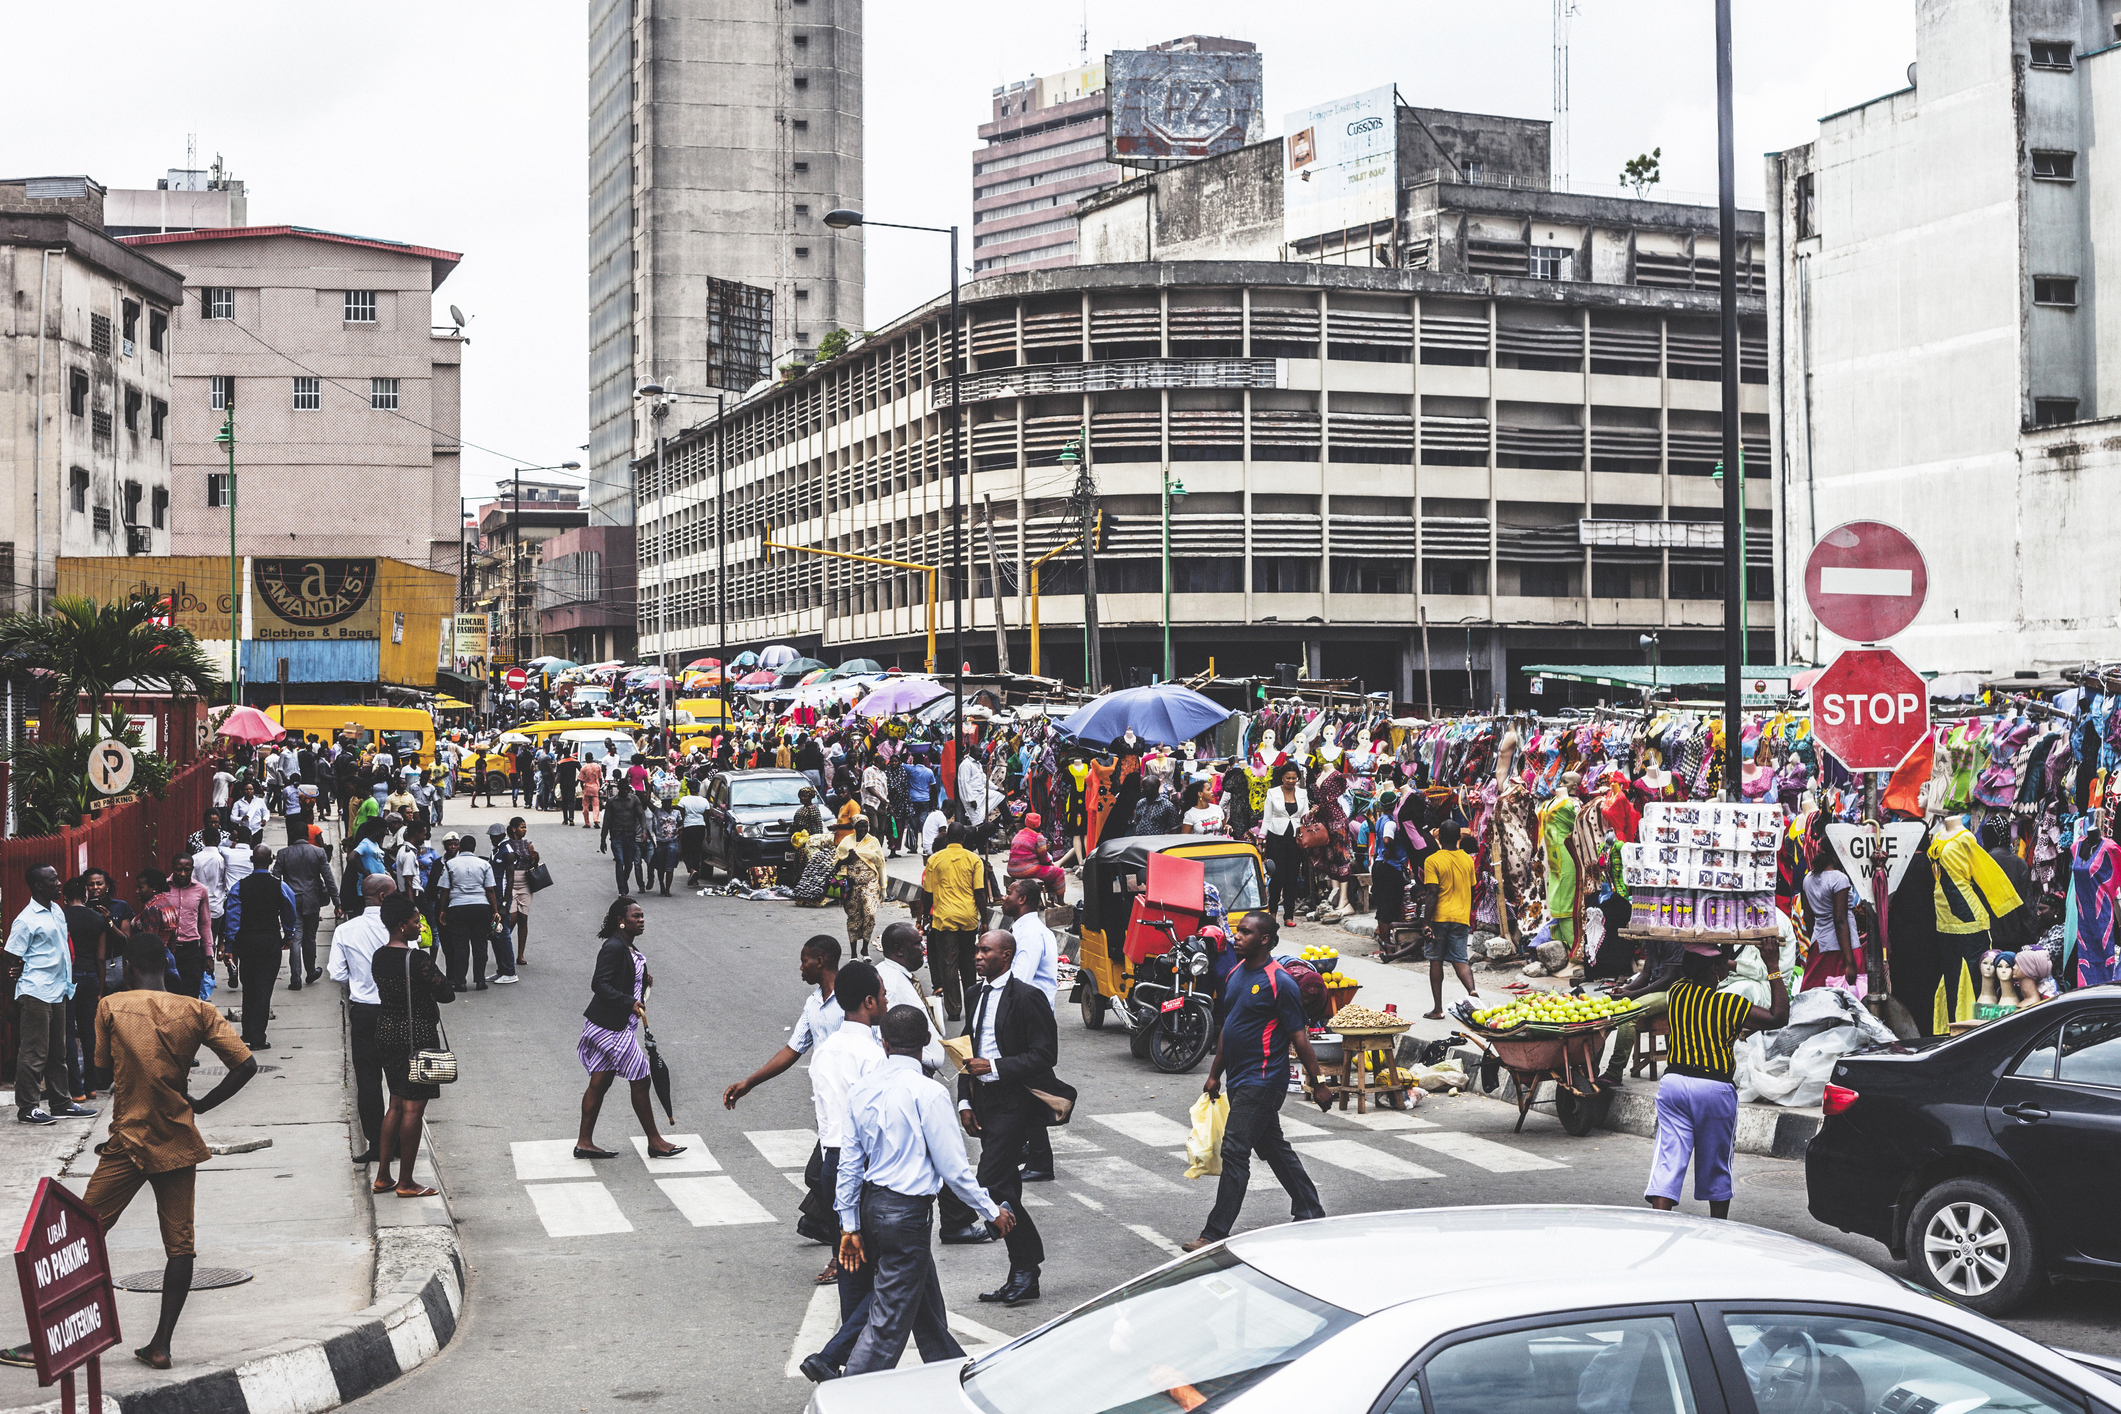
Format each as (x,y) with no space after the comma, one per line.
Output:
(859,865)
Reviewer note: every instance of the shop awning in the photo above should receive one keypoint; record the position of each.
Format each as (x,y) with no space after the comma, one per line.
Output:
(1764,685)
(450,704)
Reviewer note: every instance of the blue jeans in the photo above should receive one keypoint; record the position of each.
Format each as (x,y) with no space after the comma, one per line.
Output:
(905,1296)
(626,860)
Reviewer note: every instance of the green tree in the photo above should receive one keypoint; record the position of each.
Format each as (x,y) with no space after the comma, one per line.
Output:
(80,652)
(833,344)
(1643,172)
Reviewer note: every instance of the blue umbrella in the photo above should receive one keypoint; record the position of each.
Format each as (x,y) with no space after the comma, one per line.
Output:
(1165,715)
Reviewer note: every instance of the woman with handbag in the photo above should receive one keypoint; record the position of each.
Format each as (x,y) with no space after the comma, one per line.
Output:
(611,1030)
(416,1058)
(1286,805)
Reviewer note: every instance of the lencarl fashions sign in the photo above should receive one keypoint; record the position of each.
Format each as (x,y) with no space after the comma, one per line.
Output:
(297,599)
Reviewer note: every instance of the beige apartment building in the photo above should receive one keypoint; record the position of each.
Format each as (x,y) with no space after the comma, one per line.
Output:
(85,388)
(345,397)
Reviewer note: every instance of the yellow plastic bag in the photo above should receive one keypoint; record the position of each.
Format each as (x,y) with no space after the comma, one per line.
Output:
(1204,1146)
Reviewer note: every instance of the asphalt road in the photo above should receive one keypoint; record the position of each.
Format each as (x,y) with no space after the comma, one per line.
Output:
(611,1286)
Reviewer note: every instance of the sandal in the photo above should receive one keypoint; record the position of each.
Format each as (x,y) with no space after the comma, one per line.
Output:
(419,1192)
(830,1276)
(383,1185)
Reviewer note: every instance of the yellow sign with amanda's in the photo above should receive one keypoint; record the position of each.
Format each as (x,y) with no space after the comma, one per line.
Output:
(314,599)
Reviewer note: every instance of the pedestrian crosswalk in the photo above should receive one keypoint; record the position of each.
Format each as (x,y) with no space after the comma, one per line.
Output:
(1117,1159)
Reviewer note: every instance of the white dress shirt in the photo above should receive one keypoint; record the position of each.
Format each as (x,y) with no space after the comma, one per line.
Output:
(902,1135)
(251,812)
(841,1059)
(1036,954)
(353,949)
(984,1012)
(209,867)
(900,989)
(820,1018)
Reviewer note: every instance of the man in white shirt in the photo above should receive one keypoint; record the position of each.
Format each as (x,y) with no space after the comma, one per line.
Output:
(353,947)
(821,1017)
(900,965)
(1037,956)
(842,1058)
(933,826)
(902,1145)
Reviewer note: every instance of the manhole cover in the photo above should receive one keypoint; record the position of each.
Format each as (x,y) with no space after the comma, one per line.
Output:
(202,1279)
(1787,1177)
(223,1070)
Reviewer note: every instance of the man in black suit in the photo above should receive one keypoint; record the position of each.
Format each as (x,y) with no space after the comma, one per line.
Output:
(1013,1047)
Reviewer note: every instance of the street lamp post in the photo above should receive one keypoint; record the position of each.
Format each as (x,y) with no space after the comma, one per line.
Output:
(1171,489)
(839,220)
(515,554)
(227,438)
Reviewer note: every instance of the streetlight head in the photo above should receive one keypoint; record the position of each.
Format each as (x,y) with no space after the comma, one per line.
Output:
(570,466)
(1178,490)
(650,389)
(841,217)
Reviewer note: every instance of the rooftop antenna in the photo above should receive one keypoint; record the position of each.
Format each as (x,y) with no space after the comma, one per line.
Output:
(1564,10)
(1082,37)
(191,151)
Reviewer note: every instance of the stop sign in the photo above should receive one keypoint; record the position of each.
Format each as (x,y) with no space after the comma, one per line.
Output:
(517,679)
(1865,581)
(1870,709)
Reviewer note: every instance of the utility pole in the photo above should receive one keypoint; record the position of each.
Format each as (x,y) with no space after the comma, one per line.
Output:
(958,351)
(994,582)
(721,560)
(227,438)
(1734,600)
(515,567)
(1085,503)
(662,578)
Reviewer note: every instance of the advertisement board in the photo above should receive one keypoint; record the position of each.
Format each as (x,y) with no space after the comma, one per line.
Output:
(469,646)
(314,599)
(1164,107)
(192,589)
(1341,165)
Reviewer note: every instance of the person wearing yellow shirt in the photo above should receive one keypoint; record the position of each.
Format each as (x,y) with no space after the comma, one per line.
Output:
(953,909)
(1450,871)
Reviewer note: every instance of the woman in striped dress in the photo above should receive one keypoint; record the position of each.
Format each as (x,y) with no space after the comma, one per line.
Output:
(611,1030)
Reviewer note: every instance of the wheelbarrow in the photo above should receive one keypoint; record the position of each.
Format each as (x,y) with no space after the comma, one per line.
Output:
(1567,1056)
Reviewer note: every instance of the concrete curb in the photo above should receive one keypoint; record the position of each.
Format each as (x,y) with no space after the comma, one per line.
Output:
(1769,1131)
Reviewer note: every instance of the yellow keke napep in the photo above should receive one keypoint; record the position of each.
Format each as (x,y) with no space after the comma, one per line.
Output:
(402,731)
(580,731)
(1115,872)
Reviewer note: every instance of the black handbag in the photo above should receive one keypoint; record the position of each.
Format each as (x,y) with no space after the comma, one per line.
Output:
(537,878)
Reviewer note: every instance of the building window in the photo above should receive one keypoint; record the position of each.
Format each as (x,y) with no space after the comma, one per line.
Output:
(130,312)
(157,416)
(802,125)
(221,392)
(360,306)
(158,506)
(802,166)
(157,329)
(2055,166)
(2057,290)
(383,394)
(99,423)
(1369,576)
(218,303)
(309,394)
(133,489)
(802,252)
(801,210)
(2049,411)
(134,401)
(1471,170)
(802,41)
(77,392)
(802,294)
(2051,54)
(1546,581)
(1551,262)
(101,520)
(1454,577)
(220,489)
(77,488)
(1806,219)
(801,82)
(99,333)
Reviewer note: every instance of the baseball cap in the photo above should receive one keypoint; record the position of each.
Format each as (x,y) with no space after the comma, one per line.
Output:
(496,830)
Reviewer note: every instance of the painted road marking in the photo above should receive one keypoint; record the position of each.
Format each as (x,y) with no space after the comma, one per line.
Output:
(714,1202)
(577,1209)
(695,1159)
(783,1148)
(1118,1175)
(1361,1158)
(1146,1127)
(1156,1239)
(1483,1153)
(542,1159)
(821,1320)
(1297,1129)
(797,1179)
(1065,1143)
(1389,1119)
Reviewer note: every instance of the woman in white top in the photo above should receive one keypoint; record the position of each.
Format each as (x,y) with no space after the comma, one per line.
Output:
(1203,816)
(1287,803)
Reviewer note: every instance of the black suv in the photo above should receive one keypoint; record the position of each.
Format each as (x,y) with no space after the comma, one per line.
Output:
(749,814)
(1982,1160)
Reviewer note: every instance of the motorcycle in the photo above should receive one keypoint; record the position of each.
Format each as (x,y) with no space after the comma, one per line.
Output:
(1170,1009)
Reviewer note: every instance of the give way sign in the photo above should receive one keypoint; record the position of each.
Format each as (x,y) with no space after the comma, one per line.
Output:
(1870,709)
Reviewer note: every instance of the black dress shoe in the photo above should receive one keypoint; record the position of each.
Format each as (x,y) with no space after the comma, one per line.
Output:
(817,1369)
(1022,1286)
(966,1235)
(581,1153)
(366,1157)
(1037,1175)
(314,974)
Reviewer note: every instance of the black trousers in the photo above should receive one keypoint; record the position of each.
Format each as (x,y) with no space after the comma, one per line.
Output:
(1255,1124)
(567,798)
(1285,887)
(361,1020)
(261,972)
(905,1296)
(815,1218)
(463,928)
(951,966)
(1005,1124)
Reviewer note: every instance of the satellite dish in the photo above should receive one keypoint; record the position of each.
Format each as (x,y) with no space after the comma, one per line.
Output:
(456,316)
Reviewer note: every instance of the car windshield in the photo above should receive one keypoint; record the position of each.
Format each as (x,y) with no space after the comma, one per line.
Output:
(603,748)
(1236,880)
(766,790)
(402,744)
(1188,1337)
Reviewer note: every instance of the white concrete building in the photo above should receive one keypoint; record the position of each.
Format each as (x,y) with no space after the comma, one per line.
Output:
(1941,353)
(85,388)
(186,199)
(347,400)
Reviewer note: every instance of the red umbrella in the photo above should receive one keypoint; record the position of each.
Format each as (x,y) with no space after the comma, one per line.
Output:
(698,663)
(249,724)
(760,679)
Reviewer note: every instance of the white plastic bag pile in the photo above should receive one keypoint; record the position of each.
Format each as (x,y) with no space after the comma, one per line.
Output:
(1791,1066)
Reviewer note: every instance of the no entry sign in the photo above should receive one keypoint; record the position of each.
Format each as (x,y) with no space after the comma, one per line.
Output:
(517,679)
(66,1287)
(1865,581)
(1870,709)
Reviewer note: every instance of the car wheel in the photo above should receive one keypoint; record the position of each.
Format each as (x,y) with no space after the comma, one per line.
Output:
(1093,1005)
(1972,1241)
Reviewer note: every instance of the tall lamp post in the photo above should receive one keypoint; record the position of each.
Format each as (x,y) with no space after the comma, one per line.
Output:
(1172,489)
(227,438)
(515,555)
(840,219)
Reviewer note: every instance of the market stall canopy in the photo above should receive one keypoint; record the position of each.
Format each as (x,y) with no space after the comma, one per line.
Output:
(1764,685)
(854,667)
(900,695)
(1167,714)
(699,663)
(744,660)
(759,679)
(814,675)
(450,704)
(249,724)
(511,739)
(775,655)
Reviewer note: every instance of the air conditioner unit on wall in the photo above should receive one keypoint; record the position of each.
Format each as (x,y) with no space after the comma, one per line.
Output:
(139,540)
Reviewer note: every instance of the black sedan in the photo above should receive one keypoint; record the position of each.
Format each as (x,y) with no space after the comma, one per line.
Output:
(749,814)
(1983,1159)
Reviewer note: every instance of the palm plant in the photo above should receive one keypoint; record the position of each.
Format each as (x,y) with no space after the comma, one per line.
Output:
(81,651)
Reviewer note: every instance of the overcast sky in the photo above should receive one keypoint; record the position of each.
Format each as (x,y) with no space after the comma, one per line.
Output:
(462,125)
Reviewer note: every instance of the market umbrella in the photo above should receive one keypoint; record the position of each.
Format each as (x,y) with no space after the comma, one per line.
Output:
(658,1073)
(900,695)
(745,659)
(1166,715)
(699,663)
(511,739)
(554,665)
(774,655)
(249,724)
(759,679)
(814,675)
(854,667)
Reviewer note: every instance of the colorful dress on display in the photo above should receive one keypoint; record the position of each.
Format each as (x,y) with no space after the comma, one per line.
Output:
(2095,882)
(1557,821)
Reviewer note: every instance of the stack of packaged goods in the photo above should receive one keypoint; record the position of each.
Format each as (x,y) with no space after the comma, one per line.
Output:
(1704,868)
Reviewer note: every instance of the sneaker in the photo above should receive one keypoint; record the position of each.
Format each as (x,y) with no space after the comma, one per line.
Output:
(76,1112)
(36,1116)
(506,979)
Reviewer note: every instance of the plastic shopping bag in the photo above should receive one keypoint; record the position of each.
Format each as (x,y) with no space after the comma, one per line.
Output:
(1204,1146)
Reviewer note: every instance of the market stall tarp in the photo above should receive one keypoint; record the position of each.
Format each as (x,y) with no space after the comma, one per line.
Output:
(1167,714)
(1763,685)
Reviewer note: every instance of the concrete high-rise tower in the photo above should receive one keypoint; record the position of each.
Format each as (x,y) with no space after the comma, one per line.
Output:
(720,133)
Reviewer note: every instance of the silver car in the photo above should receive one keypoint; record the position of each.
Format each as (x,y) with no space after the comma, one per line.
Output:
(1505,1310)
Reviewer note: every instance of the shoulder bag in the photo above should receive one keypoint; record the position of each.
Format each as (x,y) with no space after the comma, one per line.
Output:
(430,1066)
(1312,836)
(537,877)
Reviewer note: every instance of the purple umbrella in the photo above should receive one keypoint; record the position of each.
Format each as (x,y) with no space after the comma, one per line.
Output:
(900,695)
